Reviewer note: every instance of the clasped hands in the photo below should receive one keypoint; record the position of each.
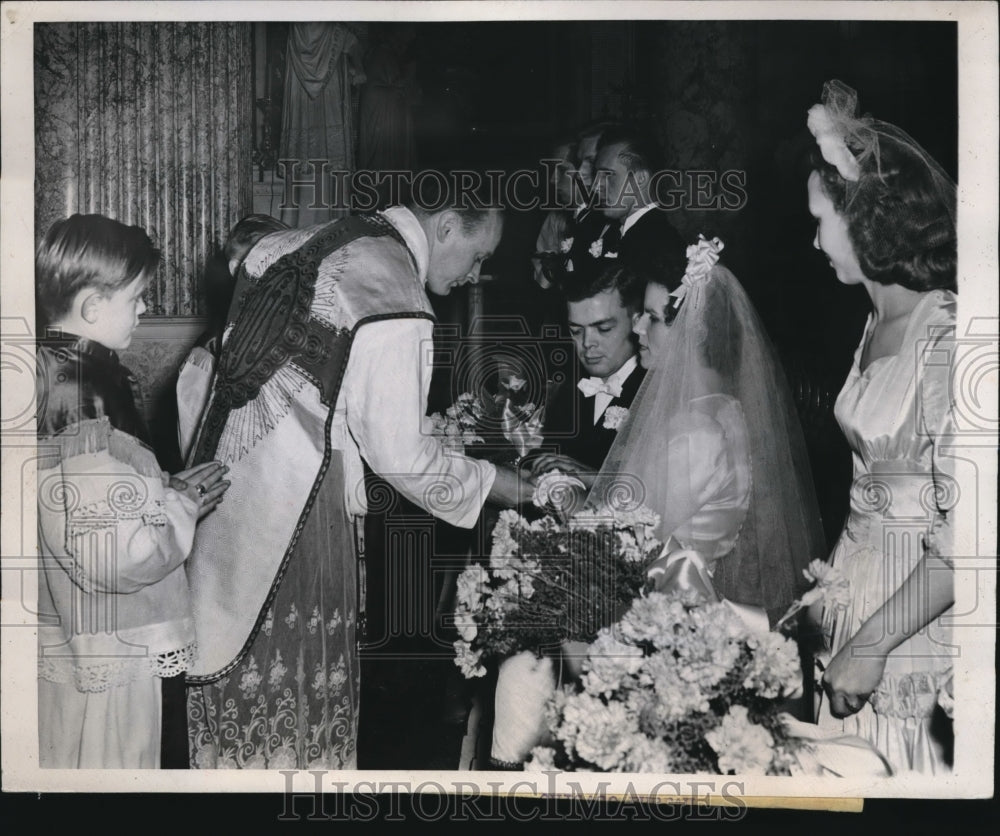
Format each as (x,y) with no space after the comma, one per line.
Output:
(851,678)
(203,484)
(544,462)
(538,465)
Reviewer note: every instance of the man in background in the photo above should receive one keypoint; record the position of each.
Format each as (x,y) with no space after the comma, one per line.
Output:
(639,233)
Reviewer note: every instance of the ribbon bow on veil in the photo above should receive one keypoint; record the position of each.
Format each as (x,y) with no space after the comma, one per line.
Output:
(702,257)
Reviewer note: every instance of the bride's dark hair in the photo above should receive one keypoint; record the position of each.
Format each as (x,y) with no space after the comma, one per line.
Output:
(673,306)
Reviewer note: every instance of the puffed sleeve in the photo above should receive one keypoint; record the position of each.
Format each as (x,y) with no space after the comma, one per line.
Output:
(710,475)
(104,512)
(697,456)
(936,423)
(386,386)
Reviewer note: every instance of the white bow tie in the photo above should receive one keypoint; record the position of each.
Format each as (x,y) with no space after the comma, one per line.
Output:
(590,386)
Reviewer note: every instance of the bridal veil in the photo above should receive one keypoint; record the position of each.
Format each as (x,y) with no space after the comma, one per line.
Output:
(713,445)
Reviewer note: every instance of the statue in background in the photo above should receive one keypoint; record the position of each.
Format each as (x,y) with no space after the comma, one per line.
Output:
(386,138)
(324,62)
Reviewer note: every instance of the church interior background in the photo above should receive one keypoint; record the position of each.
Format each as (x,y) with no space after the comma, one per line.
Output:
(180,127)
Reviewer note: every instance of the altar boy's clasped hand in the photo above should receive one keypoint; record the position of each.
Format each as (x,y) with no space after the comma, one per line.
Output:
(203,484)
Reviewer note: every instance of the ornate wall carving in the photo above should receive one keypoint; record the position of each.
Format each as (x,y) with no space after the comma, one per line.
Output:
(698,76)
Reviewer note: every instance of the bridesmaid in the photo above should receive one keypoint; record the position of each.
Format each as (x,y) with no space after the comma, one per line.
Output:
(885,216)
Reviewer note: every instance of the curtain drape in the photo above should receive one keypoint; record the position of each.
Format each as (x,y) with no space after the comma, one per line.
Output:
(150,124)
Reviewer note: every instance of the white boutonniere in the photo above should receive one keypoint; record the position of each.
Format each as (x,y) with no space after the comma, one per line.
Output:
(565,245)
(597,250)
(614,417)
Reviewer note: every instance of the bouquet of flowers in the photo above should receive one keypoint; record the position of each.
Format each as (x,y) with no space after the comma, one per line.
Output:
(520,419)
(829,588)
(457,428)
(549,582)
(681,685)
(495,420)
(677,686)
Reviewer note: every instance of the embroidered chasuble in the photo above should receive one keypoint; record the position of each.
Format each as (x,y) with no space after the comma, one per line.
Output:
(274,572)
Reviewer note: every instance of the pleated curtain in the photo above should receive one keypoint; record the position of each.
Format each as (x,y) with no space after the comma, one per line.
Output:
(150,124)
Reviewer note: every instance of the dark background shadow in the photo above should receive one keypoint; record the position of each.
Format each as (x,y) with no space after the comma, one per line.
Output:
(719,96)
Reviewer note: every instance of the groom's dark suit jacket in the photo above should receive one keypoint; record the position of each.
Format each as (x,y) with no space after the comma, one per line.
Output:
(569,421)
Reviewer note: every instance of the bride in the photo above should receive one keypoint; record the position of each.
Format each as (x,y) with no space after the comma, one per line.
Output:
(713,445)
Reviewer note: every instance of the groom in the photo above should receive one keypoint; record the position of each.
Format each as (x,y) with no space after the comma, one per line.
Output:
(581,422)
(580,427)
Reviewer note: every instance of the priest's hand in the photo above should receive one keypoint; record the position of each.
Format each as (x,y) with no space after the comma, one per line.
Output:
(510,488)
(554,461)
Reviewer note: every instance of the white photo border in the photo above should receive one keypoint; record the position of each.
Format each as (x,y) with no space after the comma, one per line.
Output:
(977,317)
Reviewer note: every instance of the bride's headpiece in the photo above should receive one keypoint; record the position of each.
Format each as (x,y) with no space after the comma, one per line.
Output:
(702,257)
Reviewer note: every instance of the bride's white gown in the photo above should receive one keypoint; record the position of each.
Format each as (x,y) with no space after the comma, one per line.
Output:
(710,439)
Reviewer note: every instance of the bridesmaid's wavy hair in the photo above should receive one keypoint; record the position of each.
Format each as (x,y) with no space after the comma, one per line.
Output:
(898,221)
